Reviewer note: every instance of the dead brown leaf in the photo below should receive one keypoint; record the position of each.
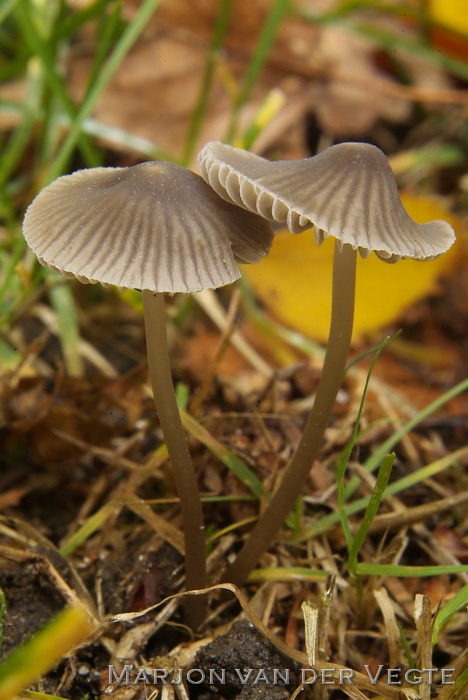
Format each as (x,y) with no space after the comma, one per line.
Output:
(322,69)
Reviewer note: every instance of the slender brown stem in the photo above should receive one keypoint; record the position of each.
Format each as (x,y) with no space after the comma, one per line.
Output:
(295,475)
(174,435)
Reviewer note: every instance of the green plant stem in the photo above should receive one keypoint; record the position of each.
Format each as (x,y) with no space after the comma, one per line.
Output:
(174,435)
(344,276)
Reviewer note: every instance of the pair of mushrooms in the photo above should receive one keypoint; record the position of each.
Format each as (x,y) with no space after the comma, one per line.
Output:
(160,228)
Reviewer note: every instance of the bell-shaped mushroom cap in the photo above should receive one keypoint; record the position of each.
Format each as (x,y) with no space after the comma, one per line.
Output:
(348,191)
(154,226)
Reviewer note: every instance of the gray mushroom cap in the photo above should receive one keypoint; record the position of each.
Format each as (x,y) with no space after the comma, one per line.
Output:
(155,226)
(348,191)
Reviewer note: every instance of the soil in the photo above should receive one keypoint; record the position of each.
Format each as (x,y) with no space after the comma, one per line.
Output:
(254,668)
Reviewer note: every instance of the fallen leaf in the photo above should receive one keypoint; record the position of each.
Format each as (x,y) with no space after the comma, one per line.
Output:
(450,13)
(294,280)
(200,350)
(322,69)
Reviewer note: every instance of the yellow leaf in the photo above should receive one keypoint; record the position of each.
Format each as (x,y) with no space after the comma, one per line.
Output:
(450,13)
(294,280)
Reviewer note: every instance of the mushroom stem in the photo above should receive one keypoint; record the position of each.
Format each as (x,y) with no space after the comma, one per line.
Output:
(295,475)
(174,435)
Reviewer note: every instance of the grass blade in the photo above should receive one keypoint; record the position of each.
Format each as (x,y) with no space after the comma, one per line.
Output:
(40,46)
(63,303)
(387,446)
(343,459)
(410,571)
(43,650)
(459,601)
(123,46)
(328,521)
(236,465)
(371,510)
(29,114)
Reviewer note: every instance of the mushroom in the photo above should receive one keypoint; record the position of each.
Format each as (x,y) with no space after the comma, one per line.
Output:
(348,191)
(156,227)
